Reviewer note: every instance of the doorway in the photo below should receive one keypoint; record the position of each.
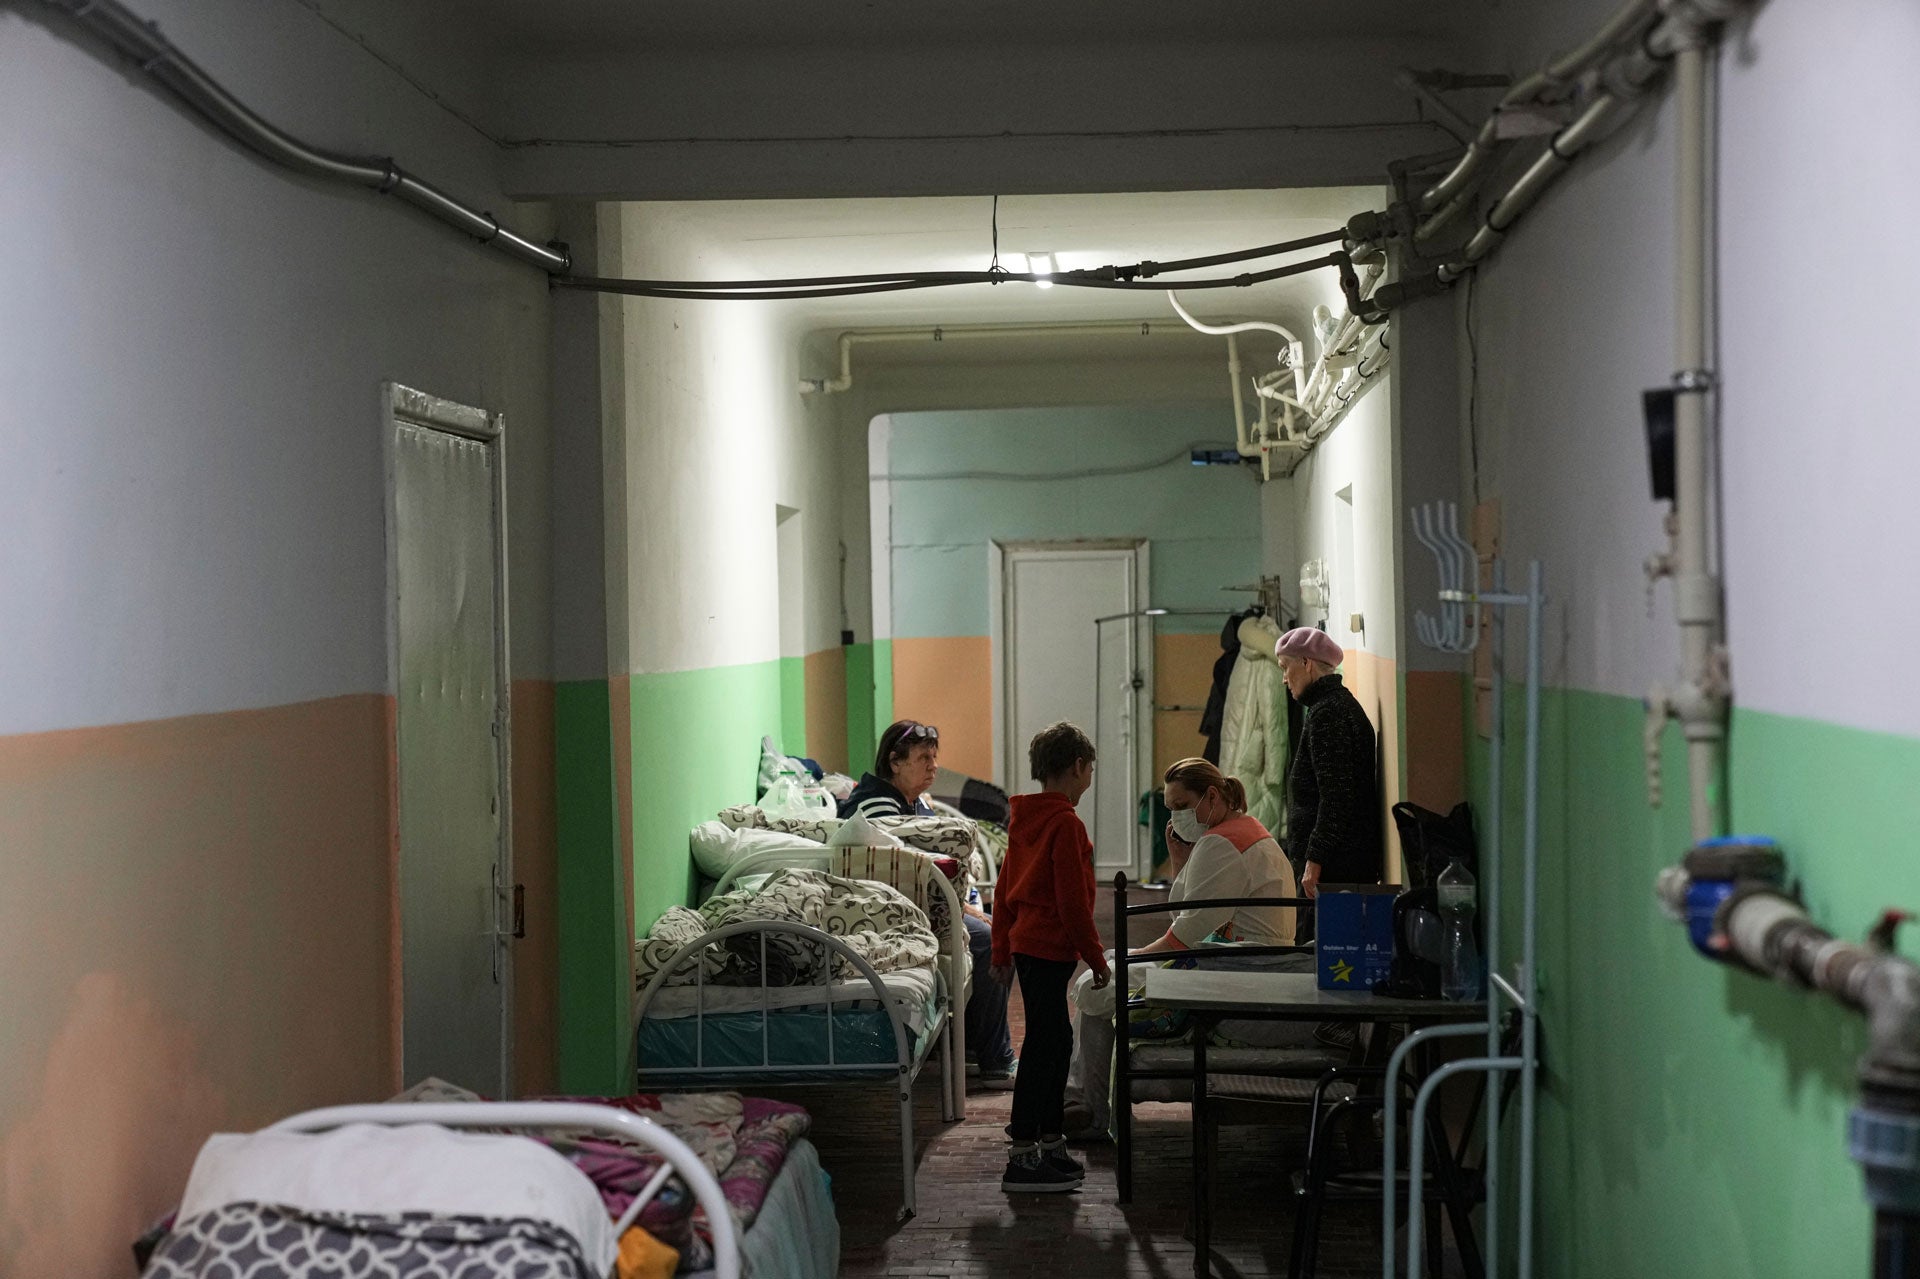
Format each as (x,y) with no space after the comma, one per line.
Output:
(446,542)
(1048,599)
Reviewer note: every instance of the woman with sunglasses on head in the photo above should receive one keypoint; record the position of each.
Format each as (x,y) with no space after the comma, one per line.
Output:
(903,771)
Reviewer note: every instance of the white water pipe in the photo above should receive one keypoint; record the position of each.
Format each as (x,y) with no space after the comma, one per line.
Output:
(943,332)
(1700,704)
(1296,351)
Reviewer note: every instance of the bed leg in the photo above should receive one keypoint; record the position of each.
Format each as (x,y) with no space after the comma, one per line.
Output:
(947,1106)
(908,1205)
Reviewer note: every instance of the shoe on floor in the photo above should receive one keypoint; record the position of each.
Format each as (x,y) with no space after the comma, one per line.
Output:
(1029,1174)
(1054,1155)
(1000,1080)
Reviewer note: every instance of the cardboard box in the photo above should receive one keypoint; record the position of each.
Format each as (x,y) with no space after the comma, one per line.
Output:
(1353,935)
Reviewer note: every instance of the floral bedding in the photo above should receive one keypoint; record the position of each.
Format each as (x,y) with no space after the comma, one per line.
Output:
(876,921)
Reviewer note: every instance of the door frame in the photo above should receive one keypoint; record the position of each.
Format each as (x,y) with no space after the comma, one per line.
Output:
(402,405)
(1007,753)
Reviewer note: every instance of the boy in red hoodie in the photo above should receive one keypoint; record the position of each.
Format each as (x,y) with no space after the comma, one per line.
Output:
(1042,929)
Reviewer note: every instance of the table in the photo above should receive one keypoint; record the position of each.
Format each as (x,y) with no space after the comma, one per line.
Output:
(1213,995)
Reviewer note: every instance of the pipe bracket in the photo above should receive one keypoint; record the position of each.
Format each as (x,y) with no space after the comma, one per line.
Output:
(1694,381)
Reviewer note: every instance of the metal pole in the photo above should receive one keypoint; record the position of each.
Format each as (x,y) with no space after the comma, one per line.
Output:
(1417,1160)
(1491,899)
(1389,1189)
(1530,1014)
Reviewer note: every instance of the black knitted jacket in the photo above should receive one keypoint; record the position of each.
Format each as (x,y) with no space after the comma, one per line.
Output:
(1333,789)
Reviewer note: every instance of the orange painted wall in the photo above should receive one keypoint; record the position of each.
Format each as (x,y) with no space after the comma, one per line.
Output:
(948,682)
(1436,754)
(1374,682)
(827,709)
(1182,676)
(195,935)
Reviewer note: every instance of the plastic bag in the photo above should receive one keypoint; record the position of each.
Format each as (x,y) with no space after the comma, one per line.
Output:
(794,796)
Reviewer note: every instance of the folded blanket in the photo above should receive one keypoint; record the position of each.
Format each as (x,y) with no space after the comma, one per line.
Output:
(875,921)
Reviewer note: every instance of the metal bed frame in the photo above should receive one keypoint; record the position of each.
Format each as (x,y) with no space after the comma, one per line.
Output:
(566,1116)
(1124,1071)
(946,1029)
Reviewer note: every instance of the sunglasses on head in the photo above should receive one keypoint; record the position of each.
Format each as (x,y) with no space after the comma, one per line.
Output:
(921,733)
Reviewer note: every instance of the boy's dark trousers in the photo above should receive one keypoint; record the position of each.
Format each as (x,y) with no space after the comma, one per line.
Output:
(1039,1089)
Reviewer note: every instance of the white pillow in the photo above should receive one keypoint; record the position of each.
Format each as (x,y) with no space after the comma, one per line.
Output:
(373,1169)
(716,847)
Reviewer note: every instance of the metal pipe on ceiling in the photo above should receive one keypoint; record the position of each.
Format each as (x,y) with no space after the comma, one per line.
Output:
(141,41)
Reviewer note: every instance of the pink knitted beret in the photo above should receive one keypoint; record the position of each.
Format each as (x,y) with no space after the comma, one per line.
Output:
(1310,642)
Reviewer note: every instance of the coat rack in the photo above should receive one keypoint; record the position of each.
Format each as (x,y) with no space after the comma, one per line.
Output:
(1457,630)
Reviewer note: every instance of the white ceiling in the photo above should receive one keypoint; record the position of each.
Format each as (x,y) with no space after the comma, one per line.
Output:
(764,239)
(575,24)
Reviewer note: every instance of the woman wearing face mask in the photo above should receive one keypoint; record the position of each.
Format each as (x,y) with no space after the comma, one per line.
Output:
(1217,852)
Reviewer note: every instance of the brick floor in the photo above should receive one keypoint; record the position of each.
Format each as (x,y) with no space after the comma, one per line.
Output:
(967,1227)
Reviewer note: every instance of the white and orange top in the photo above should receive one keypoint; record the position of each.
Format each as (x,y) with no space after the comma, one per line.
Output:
(1237,858)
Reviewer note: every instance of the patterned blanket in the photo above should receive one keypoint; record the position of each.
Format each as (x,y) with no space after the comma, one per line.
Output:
(875,921)
(268,1241)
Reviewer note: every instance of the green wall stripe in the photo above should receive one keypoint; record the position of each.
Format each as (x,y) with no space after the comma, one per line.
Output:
(696,750)
(593,961)
(793,705)
(882,690)
(862,740)
(1693,1117)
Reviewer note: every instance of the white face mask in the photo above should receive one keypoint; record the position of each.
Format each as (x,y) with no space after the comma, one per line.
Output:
(1186,824)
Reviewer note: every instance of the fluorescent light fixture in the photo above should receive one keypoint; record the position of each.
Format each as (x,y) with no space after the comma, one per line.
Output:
(1015,263)
(1041,264)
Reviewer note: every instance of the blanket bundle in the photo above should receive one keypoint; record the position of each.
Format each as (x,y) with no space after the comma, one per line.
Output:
(876,922)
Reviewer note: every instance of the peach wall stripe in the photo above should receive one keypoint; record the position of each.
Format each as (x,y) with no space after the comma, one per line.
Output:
(826,676)
(195,931)
(948,682)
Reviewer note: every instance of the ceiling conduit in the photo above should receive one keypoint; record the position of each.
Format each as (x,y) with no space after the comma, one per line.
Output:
(158,57)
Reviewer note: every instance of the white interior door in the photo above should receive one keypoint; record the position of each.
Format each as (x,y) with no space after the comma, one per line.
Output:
(1051,598)
(448,576)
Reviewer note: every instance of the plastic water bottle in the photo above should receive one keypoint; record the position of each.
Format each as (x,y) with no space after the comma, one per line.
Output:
(1460,956)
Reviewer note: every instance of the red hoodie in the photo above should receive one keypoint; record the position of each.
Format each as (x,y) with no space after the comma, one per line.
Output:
(1043,900)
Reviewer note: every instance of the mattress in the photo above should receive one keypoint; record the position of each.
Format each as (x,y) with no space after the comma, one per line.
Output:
(796,1032)
(796,1235)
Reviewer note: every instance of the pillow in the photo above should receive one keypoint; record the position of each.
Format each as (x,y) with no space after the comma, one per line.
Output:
(374,1170)
(716,847)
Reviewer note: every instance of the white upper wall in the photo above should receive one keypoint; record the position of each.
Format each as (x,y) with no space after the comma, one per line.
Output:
(1575,317)
(717,436)
(193,345)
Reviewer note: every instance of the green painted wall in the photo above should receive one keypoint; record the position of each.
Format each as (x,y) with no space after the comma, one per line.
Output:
(696,749)
(1693,1117)
(882,691)
(793,705)
(862,740)
(594,964)
(1203,522)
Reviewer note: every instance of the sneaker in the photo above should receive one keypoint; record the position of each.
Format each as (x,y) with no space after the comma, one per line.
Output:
(1028,1174)
(1053,1153)
(998,1080)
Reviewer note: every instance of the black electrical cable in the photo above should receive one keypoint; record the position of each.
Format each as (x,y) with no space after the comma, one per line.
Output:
(993,274)
(736,291)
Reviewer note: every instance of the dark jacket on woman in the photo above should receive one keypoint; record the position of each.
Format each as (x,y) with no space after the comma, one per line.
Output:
(1333,788)
(877,797)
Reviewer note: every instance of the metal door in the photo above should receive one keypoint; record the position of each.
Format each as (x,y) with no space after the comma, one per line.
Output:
(1052,596)
(446,537)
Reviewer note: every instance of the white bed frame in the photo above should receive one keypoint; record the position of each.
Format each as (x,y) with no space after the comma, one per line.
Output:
(952,970)
(544,1116)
